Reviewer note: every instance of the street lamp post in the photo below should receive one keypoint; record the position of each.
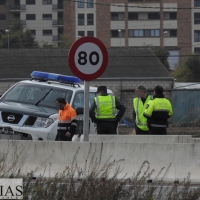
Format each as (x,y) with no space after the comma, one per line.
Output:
(165,33)
(120,37)
(7,31)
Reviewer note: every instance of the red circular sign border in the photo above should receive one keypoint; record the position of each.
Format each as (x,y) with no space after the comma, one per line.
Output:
(72,65)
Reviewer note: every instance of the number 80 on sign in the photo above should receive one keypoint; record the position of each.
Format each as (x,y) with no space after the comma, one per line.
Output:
(88,58)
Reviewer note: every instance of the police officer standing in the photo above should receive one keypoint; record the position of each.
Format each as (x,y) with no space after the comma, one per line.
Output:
(67,120)
(103,111)
(139,105)
(157,112)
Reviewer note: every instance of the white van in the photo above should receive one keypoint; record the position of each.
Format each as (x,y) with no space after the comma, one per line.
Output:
(28,108)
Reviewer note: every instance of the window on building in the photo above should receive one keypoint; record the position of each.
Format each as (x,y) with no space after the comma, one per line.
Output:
(90,4)
(2,17)
(197,35)
(197,50)
(81,33)
(44,2)
(197,18)
(47,32)
(16,2)
(144,33)
(138,33)
(153,16)
(47,16)
(196,3)
(90,19)
(30,16)
(33,32)
(173,33)
(90,33)
(114,16)
(60,16)
(147,32)
(114,33)
(17,15)
(170,33)
(80,4)
(30,2)
(132,16)
(60,2)
(2,2)
(173,15)
(155,33)
(117,16)
(60,31)
(81,19)
(131,33)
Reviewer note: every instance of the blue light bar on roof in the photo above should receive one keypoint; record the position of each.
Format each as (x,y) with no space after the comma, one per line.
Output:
(45,76)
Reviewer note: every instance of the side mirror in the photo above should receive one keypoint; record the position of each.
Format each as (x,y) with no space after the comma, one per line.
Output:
(79,111)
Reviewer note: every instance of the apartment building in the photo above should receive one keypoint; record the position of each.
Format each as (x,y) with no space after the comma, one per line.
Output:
(196,26)
(118,23)
(130,23)
(80,19)
(44,18)
(5,17)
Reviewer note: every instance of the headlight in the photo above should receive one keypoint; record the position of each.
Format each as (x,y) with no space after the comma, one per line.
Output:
(43,122)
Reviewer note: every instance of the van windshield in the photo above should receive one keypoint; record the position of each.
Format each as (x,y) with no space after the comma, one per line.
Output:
(31,93)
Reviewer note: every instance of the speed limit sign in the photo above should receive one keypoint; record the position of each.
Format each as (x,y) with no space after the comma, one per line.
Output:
(88,58)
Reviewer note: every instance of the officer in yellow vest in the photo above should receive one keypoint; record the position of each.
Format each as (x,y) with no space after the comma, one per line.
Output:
(139,104)
(103,111)
(157,112)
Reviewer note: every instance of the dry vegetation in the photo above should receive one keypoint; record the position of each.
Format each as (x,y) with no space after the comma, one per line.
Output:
(94,182)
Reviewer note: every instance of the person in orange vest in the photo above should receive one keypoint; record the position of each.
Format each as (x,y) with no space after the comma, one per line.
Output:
(67,120)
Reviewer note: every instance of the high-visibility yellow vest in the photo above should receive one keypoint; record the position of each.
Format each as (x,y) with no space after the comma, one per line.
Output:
(139,108)
(106,107)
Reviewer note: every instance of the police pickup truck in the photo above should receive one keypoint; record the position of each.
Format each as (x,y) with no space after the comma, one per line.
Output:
(28,108)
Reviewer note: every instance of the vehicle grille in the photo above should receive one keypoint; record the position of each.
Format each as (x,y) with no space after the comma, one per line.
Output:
(30,121)
(14,118)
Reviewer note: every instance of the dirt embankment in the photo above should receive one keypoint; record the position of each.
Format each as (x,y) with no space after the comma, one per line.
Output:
(185,128)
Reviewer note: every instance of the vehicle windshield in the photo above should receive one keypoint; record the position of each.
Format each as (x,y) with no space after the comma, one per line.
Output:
(28,93)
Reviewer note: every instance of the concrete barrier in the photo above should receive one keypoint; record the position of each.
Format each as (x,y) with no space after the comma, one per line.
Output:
(141,138)
(55,156)
(184,158)
(195,140)
(50,155)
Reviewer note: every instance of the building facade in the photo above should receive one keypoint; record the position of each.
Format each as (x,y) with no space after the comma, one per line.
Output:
(173,24)
(44,18)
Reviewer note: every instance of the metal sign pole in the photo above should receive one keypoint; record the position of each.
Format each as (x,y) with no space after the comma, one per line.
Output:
(86,111)
(88,59)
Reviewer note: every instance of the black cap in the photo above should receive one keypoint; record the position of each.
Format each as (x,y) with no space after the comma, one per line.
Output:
(102,89)
(158,89)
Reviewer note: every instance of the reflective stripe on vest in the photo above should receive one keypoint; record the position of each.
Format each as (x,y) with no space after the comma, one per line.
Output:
(106,107)
(139,107)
